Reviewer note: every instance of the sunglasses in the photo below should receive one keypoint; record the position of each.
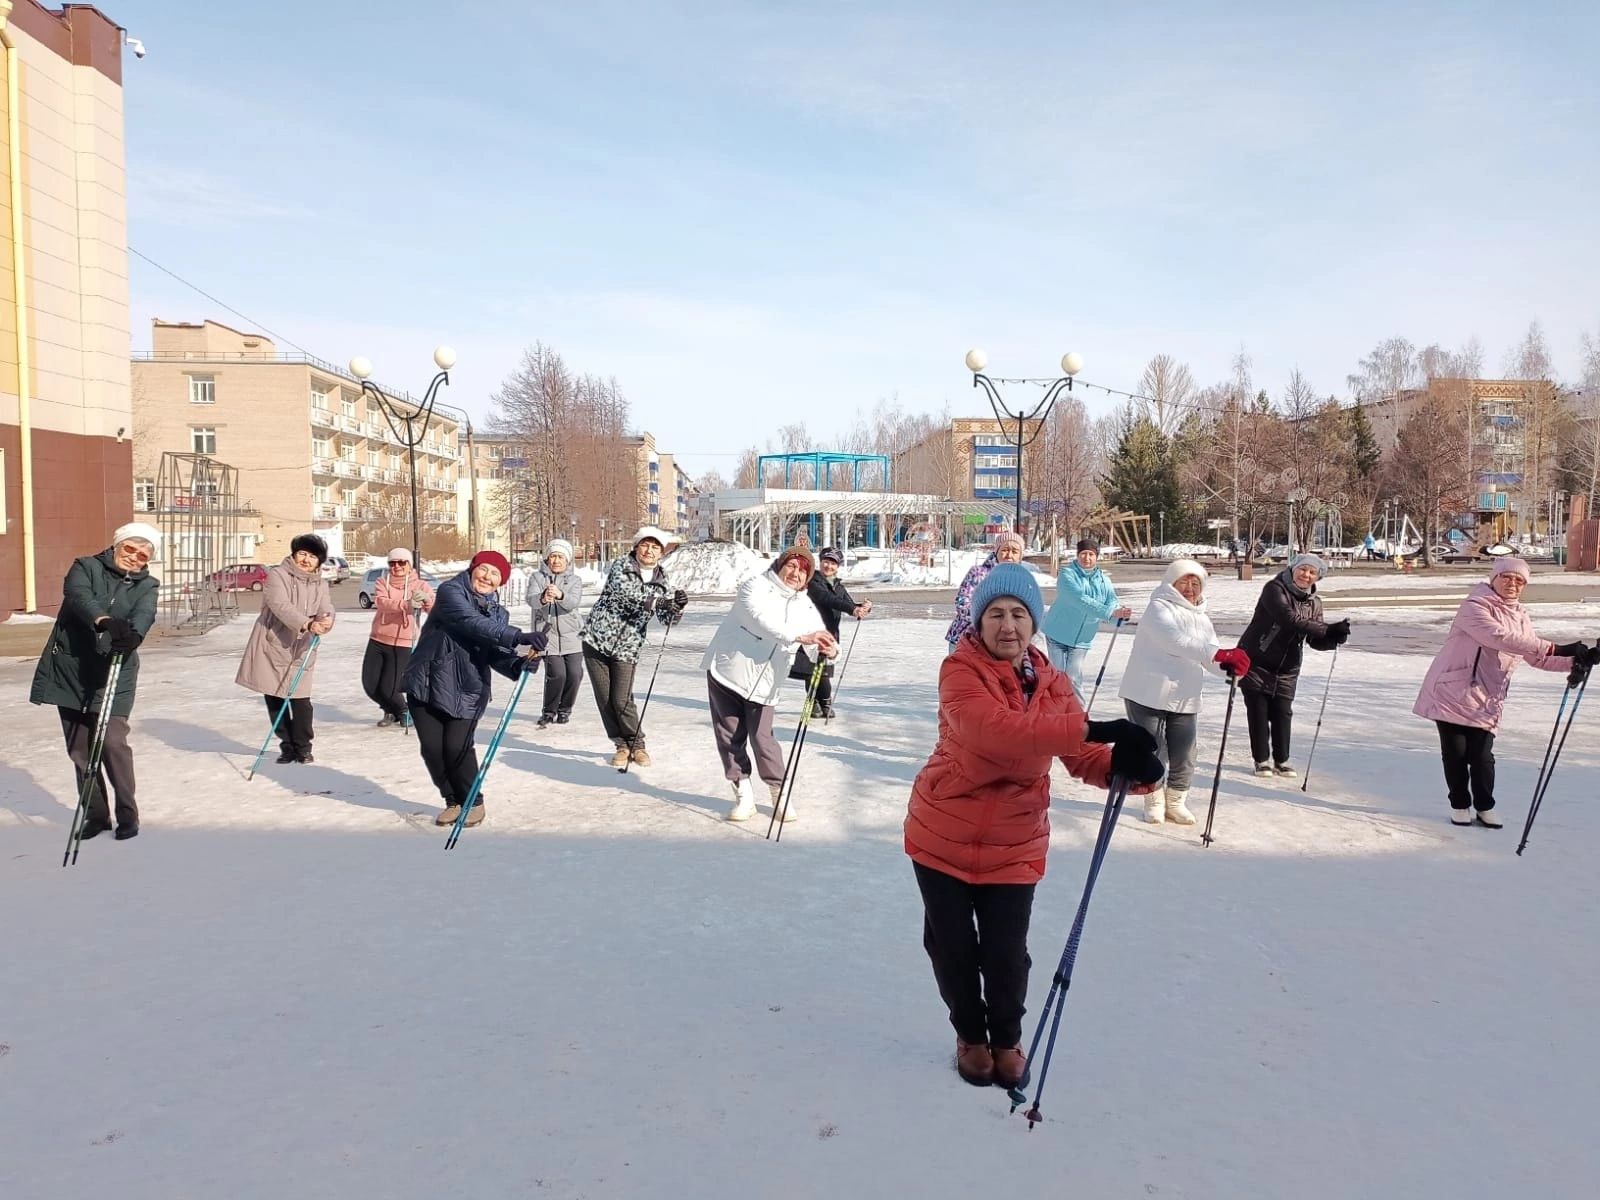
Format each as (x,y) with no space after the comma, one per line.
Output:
(398,562)
(140,556)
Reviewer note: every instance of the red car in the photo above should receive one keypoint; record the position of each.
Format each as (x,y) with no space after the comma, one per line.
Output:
(239,577)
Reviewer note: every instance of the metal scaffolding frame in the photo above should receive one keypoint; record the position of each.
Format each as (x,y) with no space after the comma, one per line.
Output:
(197,509)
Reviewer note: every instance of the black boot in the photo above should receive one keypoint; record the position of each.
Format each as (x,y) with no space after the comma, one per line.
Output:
(286,754)
(546,719)
(305,758)
(124,832)
(563,717)
(93,827)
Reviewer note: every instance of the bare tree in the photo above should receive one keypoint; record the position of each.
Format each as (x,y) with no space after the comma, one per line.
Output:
(1300,399)
(1543,416)
(1067,466)
(1426,472)
(1170,389)
(1390,368)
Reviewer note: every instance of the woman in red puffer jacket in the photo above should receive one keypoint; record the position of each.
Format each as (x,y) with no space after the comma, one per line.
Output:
(978,825)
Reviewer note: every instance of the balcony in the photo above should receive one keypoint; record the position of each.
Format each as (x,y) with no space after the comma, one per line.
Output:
(322,417)
(350,424)
(322,466)
(328,512)
(349,470)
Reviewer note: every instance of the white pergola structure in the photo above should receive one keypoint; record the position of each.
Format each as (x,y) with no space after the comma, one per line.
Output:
(763,526)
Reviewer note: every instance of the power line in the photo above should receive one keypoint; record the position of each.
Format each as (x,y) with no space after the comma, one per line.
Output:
(196,288)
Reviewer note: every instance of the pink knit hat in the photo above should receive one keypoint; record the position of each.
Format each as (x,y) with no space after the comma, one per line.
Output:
(1010,538)
(1511,565)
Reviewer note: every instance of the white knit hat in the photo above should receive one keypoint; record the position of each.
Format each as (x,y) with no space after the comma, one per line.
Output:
(137,531)
(399,554)
(654,534)
(559,546)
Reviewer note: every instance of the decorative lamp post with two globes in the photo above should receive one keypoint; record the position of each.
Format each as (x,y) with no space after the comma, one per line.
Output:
(413,418)
(977,360)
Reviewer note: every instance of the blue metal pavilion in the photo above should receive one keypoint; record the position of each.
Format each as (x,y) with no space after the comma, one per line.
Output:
(822,464)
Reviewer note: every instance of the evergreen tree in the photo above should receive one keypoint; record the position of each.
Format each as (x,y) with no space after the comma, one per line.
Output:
(1367,455)
(1142,476)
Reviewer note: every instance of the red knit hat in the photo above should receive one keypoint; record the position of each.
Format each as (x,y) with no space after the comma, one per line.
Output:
(495,559)
(798,554)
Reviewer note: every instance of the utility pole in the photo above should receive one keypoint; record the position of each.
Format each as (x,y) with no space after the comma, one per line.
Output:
(472,495)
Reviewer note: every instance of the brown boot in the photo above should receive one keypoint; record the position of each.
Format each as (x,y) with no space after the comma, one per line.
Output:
(641,757)
(974,1063)
(620,758)
(1010,1066)
(449,815)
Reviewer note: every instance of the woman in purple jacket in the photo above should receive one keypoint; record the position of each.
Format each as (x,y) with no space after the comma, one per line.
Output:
(1465,689)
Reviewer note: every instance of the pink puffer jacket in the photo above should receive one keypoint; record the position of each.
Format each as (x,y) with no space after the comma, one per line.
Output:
(394,622)
(1467,683)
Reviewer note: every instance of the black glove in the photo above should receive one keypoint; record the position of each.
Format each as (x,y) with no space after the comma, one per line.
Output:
(533,638)
(125,638)
(1565,650)
(680,599)
(1133,750)
(1583,659)
(1339,632)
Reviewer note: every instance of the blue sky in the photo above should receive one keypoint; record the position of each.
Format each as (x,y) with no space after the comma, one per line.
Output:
(752,214)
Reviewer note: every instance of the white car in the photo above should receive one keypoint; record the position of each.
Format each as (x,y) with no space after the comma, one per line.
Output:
(335,570)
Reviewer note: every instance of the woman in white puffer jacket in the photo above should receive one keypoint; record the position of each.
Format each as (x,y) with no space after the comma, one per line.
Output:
(746,664)
(1174,650)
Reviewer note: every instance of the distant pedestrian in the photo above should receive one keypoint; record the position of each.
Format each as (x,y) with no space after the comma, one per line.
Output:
(1008,548)
(636,588)
(295,604)
(1084,598)
(448,680)
(833,601)
(398,601)
(554,593)
(1464,692)
(1288,616)
(745,665)
(108,604)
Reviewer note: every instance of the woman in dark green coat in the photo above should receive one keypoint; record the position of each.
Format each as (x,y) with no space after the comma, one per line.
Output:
(108,605)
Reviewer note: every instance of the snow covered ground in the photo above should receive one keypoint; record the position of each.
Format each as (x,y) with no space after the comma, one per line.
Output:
(288,988)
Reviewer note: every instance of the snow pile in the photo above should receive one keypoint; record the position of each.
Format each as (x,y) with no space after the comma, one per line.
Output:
(712,568)
(885,568)
(1189,550)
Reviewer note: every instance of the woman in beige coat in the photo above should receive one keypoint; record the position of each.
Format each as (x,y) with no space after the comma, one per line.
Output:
(295,604)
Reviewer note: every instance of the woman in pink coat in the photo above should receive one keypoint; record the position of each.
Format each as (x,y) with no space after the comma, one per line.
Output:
(1465,689)
(399,599)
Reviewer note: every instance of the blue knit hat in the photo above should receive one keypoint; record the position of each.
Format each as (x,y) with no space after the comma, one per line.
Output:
(1009,579)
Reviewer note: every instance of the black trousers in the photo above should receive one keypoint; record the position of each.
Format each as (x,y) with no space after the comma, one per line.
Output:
(294,731)
(1270,719)
(1468,754)
(562,675)
(447,750)
(804,664)
(976,935)
(116,761)
(612,680)
(383,673)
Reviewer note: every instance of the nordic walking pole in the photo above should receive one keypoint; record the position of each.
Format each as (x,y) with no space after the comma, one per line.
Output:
(1089,708)
(1543,784)
(1216,782)
(488,755)
(633,742)
(97,747)
(1318,732)
(791,768)
(845,661)
(305,660)
(1062,981)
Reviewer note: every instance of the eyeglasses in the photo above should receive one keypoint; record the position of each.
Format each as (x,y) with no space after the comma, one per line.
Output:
(398,562)
(138,556)
(1513,580)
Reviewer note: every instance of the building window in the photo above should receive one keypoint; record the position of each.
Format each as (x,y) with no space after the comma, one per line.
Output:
(319,398)
(494,452)
(202,389)
(373,458)
(202,439)
(319,447)
(347,406)
(144,495)
(347,451)
(319,493)
(244,547)
(394,461)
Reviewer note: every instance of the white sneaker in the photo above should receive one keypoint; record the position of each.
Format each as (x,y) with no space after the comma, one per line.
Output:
(1177,812)
(1461,816)
(1491,818)
(1264,768)
(744,801)
(1155,808)
(789,812)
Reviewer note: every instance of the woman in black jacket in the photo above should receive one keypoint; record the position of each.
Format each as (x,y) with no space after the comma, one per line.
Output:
(1288,615)
(108,605)
(827,591)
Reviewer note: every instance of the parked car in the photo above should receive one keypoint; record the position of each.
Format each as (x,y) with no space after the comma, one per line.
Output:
(335,570)
(369,584)
(239,577)
(1458,554)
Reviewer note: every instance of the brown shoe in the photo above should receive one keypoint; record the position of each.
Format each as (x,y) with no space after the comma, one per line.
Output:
(449,815)
(620,758)
(1010,1066)
(475,817)
(641,757)
(974,1063)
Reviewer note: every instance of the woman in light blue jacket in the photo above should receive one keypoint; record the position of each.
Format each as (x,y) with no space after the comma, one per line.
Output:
(1084,598)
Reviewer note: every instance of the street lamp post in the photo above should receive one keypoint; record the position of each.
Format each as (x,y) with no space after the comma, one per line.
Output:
(602,543)
(977,360)
(409,415)
(573,519)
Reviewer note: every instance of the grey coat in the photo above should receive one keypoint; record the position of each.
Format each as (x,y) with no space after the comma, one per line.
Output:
(289,602)
(559,621)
